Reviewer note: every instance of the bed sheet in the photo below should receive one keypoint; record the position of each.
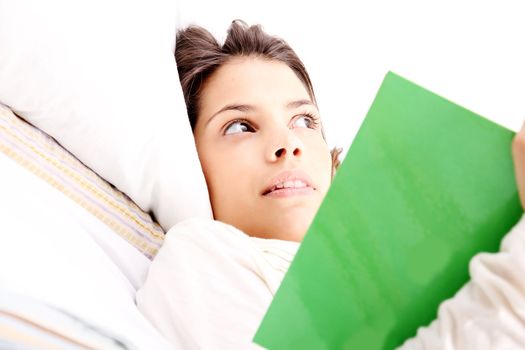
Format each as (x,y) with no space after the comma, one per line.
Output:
(49,252)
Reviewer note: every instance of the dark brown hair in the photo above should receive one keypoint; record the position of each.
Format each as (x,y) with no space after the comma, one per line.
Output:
(199,55)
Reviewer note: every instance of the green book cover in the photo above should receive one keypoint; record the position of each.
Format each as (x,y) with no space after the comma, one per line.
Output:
(425,185)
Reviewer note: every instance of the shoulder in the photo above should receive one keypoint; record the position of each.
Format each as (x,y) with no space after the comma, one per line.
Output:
(196,237)
(220,240)
(200,248)
(212,230)
(210,257)
(204,289)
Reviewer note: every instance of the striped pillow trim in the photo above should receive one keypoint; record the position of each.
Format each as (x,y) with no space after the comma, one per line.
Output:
(43,156)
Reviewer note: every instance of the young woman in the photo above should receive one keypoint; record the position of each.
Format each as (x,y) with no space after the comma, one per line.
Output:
(260,141)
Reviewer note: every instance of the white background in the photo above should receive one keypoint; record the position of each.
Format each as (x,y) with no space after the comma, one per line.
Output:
(470,52)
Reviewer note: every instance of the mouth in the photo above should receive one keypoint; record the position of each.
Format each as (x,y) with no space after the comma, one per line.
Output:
(289,183)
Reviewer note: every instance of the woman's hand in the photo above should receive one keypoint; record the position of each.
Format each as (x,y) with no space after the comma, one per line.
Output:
(518,153)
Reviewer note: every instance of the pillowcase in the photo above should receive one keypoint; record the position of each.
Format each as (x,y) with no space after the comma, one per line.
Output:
(128,235)
(100,77)
(32,324)
(47,254)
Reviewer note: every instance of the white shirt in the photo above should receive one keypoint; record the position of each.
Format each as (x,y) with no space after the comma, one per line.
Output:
(210,285)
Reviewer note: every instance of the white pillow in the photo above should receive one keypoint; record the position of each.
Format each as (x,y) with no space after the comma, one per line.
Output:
(126,234)
(100,77)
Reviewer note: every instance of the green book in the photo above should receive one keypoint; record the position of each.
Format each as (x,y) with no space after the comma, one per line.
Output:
(425,185)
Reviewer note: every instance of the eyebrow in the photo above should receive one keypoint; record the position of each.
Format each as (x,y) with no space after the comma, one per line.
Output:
(251,108)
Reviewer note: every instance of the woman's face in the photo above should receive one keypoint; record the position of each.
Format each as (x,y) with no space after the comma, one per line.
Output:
(259,140)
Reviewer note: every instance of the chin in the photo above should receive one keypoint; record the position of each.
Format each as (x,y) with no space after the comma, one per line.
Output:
(292,224)
(291,230)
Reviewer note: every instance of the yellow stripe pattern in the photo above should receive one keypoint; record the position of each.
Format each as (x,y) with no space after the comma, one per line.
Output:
(44,157)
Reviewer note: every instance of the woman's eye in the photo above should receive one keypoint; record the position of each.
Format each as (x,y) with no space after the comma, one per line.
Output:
(304,121)
(238,127)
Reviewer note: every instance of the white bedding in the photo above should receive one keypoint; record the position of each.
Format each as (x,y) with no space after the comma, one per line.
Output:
(49,251)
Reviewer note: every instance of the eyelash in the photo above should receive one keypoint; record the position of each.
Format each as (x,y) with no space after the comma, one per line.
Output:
(238,120)
(313,119)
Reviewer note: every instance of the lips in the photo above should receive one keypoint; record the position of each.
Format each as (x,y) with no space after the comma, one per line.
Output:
(289,183)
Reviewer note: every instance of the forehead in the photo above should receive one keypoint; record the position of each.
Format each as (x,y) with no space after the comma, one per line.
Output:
(251,80)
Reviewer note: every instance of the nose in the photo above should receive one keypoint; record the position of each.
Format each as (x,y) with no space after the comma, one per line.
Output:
(286,145)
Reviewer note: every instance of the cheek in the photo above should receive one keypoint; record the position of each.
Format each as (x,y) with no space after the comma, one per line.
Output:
(224,169)
(321,162)
(210,162)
